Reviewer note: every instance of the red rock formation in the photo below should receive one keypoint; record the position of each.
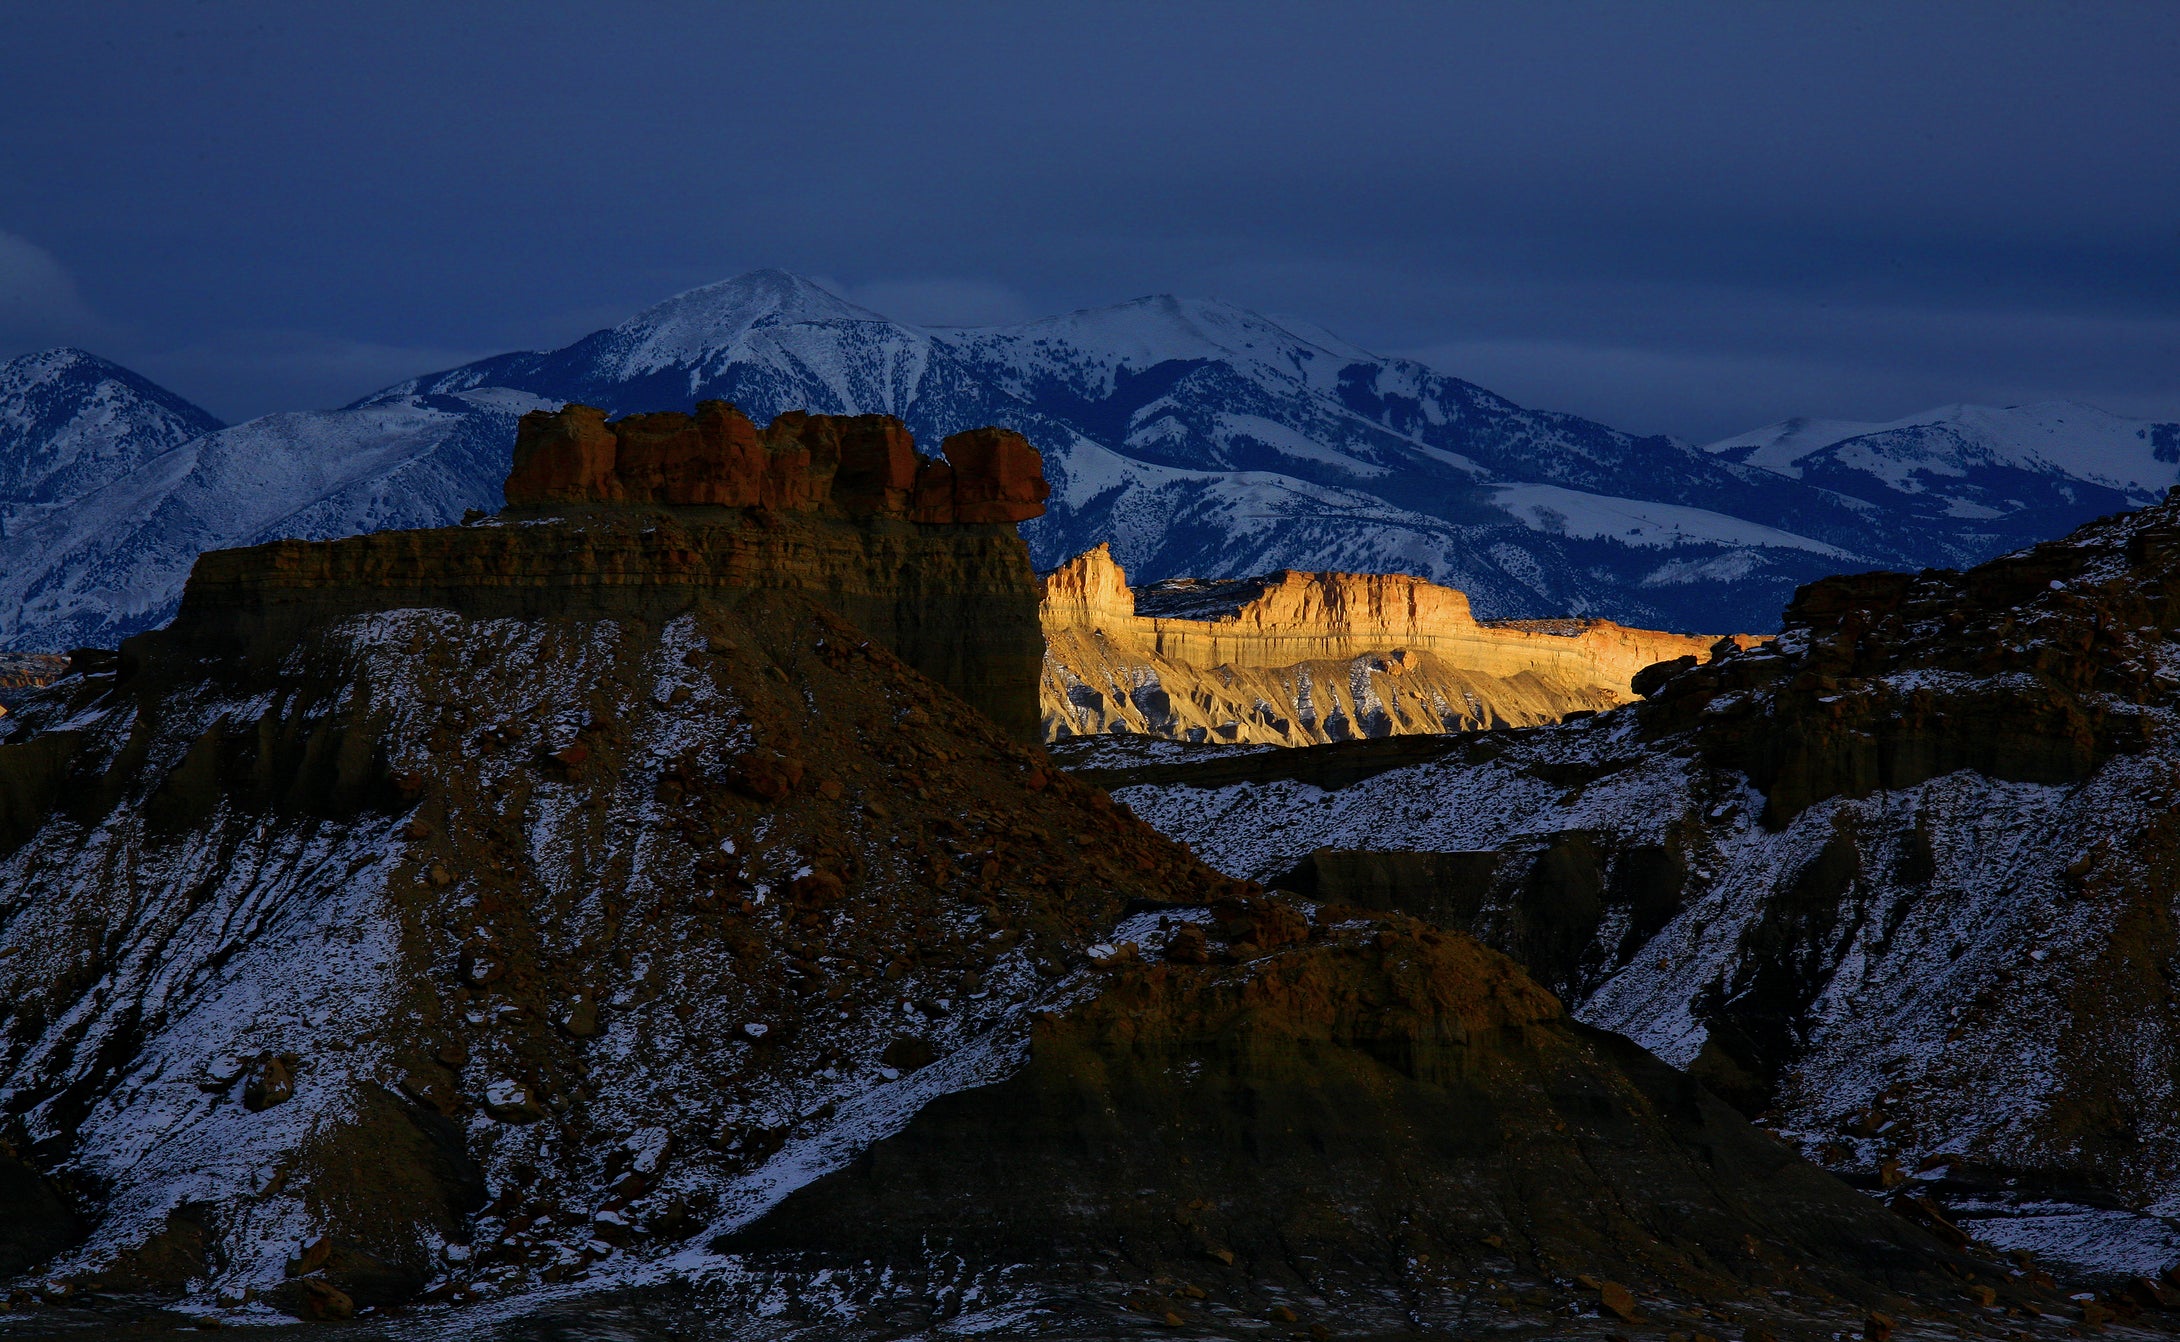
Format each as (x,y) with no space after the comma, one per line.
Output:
(877,466)
(998,476)
(567,457)
(859,465)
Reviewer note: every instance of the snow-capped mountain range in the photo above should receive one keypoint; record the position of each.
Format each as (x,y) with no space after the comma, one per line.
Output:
(1196,437)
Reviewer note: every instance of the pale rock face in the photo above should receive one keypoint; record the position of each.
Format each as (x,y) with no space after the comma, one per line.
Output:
(1302,658)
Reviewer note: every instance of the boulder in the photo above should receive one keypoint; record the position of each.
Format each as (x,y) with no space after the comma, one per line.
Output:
(801,454)
(656,456)
(563,457)
(998,476)
(877,470)
(272,1081)
(727,439)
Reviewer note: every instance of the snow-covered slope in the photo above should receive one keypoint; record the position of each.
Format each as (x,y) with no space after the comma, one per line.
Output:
(112,563)
(1195,437)
(712,972)
(1903,879)
(71,422)
(2011,469)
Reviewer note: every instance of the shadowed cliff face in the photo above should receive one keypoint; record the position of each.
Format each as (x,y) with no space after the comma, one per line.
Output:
(1306,658)
(520,934)
(664,511)
(951,600)
(1903,880)
(551,903)
(1387,1130)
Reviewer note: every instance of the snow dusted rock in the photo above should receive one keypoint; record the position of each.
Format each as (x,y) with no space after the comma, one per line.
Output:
(404,928)
(1902,880)
(1304,658)
(347,851)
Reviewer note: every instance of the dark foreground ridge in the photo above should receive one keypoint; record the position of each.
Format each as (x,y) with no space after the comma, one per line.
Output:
(581,919)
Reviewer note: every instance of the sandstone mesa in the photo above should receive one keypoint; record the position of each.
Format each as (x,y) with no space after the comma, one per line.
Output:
(1306,658)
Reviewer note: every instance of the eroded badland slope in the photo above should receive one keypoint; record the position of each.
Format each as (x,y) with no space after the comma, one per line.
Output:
(1903,881)
(641,910)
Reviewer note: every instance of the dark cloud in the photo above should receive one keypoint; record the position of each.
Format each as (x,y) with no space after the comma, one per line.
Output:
(39,305)
(1687,217)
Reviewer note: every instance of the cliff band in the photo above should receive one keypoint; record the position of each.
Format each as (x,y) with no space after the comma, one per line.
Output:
(1303,658)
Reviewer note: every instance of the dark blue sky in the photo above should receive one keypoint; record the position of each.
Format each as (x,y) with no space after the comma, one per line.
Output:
(1681,217)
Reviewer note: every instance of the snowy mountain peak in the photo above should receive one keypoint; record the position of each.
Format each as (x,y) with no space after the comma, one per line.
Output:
(1092,347)
(25,375)
(699,324)
(45,365)
(71,421)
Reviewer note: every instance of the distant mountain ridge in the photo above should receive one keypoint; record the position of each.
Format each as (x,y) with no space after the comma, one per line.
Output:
(2022,468)
(1197,438)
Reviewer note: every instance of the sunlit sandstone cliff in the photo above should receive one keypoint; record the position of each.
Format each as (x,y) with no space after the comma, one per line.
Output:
(1300,658)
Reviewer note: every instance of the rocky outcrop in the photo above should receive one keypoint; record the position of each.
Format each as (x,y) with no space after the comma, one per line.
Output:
(670,511)
(2036,667)
(857,465)
(622,939)
(1212,1148)
(1902,882)
(951,600)
(1301,658)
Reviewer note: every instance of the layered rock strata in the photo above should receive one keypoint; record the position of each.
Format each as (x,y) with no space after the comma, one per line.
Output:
(1902,881)
(1305,658)
(674,510)
(655,961)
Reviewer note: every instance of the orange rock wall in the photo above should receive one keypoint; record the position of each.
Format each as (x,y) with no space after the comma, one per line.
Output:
(856,465)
